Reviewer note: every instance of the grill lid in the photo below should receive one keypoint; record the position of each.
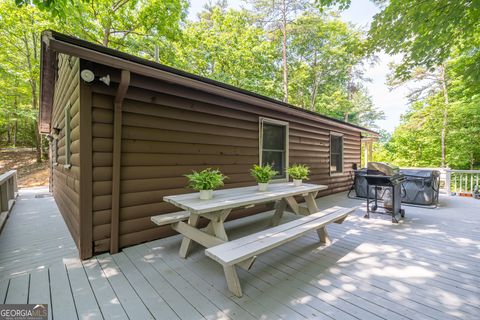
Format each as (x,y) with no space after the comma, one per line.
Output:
(384,168)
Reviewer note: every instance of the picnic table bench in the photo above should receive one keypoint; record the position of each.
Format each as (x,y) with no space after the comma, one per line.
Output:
(224,201)
(233,253)
(242,252)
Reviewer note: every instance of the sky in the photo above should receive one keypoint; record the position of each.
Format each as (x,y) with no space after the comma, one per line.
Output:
(392,102)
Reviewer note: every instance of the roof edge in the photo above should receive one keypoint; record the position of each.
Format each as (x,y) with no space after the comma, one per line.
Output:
(51,37)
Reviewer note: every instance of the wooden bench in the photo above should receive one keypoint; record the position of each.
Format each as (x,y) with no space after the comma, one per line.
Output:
(234,252)
(170,218)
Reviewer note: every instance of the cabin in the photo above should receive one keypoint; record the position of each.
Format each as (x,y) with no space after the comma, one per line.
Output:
(123,132)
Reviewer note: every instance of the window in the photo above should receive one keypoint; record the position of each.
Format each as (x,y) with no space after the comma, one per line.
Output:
(68,130)
(336,153)
(274,145)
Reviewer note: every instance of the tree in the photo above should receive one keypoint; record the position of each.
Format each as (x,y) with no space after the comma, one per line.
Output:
(426,32)
(423,131)
(429,83)
(277,15)
(20,52)
(226,45)
(123,24)
(326,73)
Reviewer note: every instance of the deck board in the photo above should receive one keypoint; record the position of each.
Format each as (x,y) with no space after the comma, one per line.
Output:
(18,289)
(427,267)
(39,289)
(85,302)
(63,305)
(107,300)
(176,301)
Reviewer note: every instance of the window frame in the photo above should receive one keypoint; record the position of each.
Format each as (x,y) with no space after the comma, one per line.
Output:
(263,120)
(54,144)
(67,135)
(342,153)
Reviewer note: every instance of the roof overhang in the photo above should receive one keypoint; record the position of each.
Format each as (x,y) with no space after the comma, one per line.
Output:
(53,43)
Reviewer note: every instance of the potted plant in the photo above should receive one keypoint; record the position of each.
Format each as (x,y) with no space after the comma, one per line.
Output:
(298,172)
(206,181)
(263,174)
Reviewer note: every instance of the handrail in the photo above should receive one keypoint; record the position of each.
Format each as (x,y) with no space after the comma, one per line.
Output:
(463,182)
(8,193)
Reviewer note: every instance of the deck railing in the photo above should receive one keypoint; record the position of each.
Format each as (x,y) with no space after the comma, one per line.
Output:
(8,193)
(461,181)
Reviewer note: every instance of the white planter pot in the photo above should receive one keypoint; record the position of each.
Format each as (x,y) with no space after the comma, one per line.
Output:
(297,182)
(262,186)
(206,194)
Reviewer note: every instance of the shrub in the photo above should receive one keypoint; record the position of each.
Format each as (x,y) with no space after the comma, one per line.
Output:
(299,172)
(208,179)
(263,174)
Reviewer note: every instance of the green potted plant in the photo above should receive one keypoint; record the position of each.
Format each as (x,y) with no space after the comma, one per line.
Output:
(263,174)
(298,172)
(206,181)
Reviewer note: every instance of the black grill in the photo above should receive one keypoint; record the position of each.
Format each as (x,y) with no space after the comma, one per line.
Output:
(379,182)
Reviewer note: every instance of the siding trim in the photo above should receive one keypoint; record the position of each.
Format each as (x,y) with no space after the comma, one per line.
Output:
(336,173)
(85,205)
(286,124)
(116,159)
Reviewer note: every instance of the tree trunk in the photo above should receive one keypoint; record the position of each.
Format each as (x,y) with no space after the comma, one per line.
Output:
(15,125)
(31,54)
(284,52)
(106,36)
(315,83)
(9,138)
(443,80)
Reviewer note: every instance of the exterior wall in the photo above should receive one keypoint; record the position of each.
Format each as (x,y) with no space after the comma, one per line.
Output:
(65,182)
(170,130)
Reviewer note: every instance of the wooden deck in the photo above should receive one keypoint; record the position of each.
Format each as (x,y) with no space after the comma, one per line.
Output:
(427,267)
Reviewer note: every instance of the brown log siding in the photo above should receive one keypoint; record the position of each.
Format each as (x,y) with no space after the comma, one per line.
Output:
(66,181)
(168,131)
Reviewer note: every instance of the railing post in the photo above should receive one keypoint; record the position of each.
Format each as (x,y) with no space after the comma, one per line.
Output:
(448,179)
(3,197)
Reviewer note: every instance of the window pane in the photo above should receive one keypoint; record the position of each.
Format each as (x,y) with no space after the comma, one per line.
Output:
(336,144)
(276,160)
(273,137)
(336,153)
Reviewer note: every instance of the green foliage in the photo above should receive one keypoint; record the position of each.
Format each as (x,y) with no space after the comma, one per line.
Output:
(263,174)
(326,70)
(208,179)
(225,45)
(299,172)
(428,32)
(417,141)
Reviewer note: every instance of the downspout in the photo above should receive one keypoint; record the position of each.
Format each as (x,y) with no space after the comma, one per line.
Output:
(116,157)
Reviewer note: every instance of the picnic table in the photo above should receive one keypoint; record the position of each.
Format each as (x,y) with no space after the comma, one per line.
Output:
(224,201)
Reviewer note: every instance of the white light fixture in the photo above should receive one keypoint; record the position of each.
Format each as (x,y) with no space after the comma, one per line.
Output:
(105,79)
(87,75)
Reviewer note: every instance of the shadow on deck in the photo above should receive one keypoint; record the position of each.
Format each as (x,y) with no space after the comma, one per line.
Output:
(427,267)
